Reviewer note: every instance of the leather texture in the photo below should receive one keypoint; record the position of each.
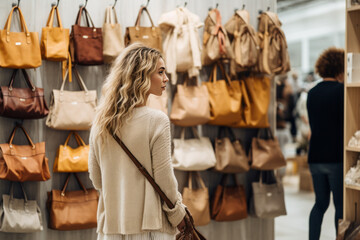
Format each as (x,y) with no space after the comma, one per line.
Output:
(190,105)
(230,154)
(158,102)
(216,44)
(24,103)
(22,163)
(268,199)
(265,154)
(225,99)
(72,110)
(197,200)
(19,215)
(72,210)
(72,159)
(229,203)
(19,49)
(86,43)
(113,40)
(149,36)
(54,40)
(274,56)
(194,154)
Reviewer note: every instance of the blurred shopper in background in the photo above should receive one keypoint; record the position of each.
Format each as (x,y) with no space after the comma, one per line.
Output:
(325,104)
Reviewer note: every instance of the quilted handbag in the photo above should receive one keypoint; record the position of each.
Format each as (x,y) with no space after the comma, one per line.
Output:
(19,49)
(72,210)
(194,154)
(19,215)
(54,40)
(24,103)
(72,159)
(149,36)
(86,43)
(72,110)
(22,163)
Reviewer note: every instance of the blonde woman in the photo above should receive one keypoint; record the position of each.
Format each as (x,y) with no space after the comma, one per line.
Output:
(129,207)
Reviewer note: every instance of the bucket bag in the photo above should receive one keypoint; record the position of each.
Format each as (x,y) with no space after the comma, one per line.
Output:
(54,40)
(72,210)
(22,163)
(19,49)
(19,215)
(72,110)
(24,103)
(149,36)
(72,159)
(86,43)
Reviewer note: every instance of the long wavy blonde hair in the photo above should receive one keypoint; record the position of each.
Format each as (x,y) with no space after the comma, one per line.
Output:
(126,87)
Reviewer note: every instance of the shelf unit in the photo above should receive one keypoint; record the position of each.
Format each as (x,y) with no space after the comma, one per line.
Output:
(351,111)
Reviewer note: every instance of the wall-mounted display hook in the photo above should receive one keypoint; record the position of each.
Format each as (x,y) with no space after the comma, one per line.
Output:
(16,5)
(114,4)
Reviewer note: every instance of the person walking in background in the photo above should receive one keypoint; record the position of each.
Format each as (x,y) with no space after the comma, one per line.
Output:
(325,104)
(129,208)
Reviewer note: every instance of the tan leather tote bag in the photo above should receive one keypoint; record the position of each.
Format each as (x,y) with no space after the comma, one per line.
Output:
(149,36)
(72,210)
(19,49)
(225,98)
(265,154)
(230,154)
(22,163)
(54,40)
(72,110)
(113,40)
(70,159)
(190,105)
(229,202)
(197,200)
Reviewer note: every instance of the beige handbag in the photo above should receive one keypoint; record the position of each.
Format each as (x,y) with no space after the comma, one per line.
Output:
(72,110)
(268,199)
(19,215)
(190,105)
(230,154)
(197,200)
(113,41)
(194,154)
(158,102)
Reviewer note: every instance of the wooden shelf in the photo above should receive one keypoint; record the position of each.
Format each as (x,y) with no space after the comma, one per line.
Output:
(352,149)
(353,84)
(353,8)
(353,187)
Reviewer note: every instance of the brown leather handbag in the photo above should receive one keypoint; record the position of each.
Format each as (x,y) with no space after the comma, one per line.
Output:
(72,210)
(149,36)
(230,154)
(24,103)
(22,163)
(229,203)
(265,154)
(86,43)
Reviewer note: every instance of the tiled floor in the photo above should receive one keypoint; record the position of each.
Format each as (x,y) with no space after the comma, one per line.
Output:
(294,226)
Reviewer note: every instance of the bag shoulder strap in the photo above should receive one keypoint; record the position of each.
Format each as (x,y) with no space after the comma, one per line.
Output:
(137,23)
(110,11)
(79,79)
(144,172)
(50,20)
(27,79)
(26,134)
(67,181)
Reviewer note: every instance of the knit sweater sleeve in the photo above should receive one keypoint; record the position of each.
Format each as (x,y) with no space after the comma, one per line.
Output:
(162,167)
(94,167)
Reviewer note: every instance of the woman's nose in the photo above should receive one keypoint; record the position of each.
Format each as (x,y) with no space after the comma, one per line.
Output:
(166,79)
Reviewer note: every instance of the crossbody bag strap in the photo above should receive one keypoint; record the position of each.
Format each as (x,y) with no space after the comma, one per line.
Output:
(144,172)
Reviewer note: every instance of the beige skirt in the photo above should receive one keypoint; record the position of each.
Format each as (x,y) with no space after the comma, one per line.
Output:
(141,236)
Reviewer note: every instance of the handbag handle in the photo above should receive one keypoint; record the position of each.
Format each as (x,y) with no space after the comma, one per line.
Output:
(197,177)
(50,20)
(228,132)
(26,208)
(67,181)
(26,134)
(27,79)
(224,178)
(267,131)
(22,24)
(87,17)
(109,15)
(137,23)
(219,31)
(79,80)
(195,132)
(78,139)
(213,75)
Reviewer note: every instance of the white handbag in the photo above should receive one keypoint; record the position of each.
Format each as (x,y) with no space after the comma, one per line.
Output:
(194,154)
(72,110)
(19,215)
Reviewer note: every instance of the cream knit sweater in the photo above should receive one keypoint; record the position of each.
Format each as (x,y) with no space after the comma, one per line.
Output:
(128,204)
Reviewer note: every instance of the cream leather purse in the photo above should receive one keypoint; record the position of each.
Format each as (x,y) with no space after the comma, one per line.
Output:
(194,154)
(72,110)
(19,215)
